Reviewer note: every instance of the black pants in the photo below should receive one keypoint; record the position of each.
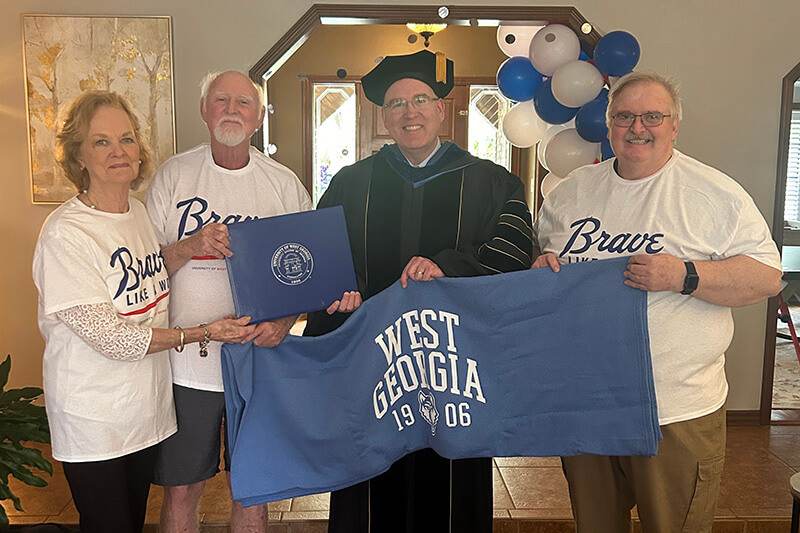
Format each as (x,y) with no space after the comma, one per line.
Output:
(422,492)
(112,495)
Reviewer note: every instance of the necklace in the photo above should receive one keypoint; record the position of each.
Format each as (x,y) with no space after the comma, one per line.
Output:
(89,200)
(91,205)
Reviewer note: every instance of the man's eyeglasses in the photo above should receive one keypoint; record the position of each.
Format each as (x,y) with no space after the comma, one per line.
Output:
(399,105)
(650,119)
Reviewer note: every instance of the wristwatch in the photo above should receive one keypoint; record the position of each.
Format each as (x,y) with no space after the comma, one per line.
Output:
(691,279)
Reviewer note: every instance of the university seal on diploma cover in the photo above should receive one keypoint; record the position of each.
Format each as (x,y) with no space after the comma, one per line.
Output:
(292,263)
(289,264)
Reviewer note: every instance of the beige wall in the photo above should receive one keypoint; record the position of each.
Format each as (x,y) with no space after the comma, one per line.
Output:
(474,52)
(729,54)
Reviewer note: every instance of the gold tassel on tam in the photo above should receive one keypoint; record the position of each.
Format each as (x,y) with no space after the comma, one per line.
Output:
(441,68)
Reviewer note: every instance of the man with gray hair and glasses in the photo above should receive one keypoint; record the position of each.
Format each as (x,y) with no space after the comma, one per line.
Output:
(193,196)
(698,244)
(418,210)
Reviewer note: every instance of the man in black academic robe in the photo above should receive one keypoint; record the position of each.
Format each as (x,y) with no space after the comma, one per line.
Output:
(419,210)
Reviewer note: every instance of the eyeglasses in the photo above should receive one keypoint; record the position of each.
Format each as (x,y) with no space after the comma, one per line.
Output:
(650,119)
(399,105)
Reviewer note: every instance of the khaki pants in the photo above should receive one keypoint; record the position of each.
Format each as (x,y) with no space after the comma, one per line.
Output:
(675,491)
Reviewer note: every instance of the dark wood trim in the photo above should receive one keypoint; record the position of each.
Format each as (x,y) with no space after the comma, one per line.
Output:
(280,52)
(293,39)
(518,159)
(768,369)
(307,132)
(289,43)
(743,418)
(787,94)
(476,80)
(767,374)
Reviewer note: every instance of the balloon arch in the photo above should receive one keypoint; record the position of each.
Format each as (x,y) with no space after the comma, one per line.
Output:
(561,93)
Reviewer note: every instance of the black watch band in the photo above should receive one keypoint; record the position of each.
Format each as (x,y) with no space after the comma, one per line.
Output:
(691,279)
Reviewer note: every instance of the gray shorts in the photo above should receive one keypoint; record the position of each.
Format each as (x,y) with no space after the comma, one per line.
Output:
(192,454)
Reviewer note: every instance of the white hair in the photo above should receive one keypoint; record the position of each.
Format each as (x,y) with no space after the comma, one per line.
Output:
(211,76)
(646,77)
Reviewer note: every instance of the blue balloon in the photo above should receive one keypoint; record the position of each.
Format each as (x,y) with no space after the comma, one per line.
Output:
(584,56)
(603,95)
(616,53)
(548,108)
(606,150)
(591,121)
(517,79)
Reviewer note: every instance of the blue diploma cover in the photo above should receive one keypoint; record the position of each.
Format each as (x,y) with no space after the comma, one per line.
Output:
(289,264)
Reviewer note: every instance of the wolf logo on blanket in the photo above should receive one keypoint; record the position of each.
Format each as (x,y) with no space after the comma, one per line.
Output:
(427,408)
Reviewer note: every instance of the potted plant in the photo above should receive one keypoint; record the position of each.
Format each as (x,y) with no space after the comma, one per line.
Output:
(20,421)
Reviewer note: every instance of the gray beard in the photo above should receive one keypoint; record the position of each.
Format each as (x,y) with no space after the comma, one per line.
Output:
(228,136)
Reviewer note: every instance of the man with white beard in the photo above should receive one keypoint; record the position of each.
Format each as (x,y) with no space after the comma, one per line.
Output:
(193,196)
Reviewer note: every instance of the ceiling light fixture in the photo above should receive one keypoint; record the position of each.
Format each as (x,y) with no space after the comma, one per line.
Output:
(426,30)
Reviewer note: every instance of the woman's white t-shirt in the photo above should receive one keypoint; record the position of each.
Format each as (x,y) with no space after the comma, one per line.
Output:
(100,408)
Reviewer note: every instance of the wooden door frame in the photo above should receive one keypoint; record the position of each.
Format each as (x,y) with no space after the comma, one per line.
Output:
(768,372)
(293,39)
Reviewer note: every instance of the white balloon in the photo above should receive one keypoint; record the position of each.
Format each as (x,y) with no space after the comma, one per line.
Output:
(519,34)
(576,82)
(549,182)
(522,126)
(567,151)
(549,134)
(552,46)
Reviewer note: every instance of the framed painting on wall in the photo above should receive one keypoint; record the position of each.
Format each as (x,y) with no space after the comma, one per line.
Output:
(65,56)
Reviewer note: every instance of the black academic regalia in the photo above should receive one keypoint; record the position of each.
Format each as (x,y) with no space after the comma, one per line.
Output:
(469,216)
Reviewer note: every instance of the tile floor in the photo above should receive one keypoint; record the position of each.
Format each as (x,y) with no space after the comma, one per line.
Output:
(530,494)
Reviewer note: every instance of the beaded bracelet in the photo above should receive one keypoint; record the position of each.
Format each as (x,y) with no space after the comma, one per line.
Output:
(205,341)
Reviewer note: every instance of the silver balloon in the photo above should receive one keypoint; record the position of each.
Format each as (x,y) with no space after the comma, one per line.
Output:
(514,39)
(522,126)
(567,151)
(576,83)
(551,131)
(552,46)
(549,182)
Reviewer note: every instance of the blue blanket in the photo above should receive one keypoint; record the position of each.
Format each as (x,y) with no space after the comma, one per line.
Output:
(529,363)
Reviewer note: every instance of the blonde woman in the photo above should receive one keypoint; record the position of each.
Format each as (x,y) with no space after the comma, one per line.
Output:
(103,294)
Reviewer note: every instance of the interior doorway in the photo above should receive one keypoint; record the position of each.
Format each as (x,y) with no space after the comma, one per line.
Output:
(778,352)
(379,20)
